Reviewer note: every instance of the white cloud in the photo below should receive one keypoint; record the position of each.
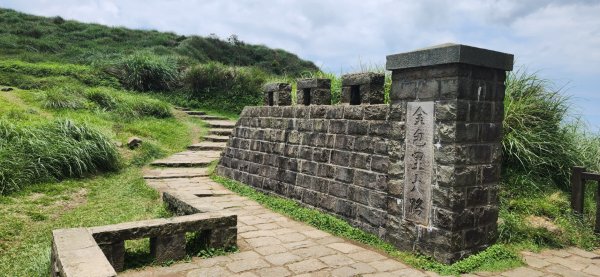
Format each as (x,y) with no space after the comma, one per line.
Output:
(561,38)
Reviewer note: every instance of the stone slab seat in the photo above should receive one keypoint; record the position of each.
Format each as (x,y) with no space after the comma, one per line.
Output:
(76,253)
(163,226)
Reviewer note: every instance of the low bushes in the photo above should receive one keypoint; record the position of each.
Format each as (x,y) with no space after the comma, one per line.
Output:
(146,72)
(226,88)
(106,99)
(51,151)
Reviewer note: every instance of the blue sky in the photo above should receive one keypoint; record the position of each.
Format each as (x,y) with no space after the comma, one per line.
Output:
(558,39)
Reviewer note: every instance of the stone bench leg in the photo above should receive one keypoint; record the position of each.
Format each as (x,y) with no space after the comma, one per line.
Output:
(115,254)
(168,248)
(222,238)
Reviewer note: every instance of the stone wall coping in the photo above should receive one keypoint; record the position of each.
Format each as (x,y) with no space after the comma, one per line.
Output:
(362,78)
(269,87)
(450,53)
(76,253)
(313,83)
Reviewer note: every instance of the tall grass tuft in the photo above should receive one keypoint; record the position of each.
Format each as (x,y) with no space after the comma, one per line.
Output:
(146,72)
(65,97)
(226,88)
(51,151)
(537,140)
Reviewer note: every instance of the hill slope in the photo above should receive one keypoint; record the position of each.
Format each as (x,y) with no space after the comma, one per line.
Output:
(36,38)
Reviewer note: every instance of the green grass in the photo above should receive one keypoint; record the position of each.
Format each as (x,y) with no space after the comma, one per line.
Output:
(28,216)
(53,39)
(61,163)
(52,151)
(495,258)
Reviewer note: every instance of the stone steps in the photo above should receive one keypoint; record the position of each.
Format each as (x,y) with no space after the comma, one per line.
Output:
(174,172)
(220,132)
(210,117)
(195,112)
(188,159)
(207,145)
(216,138)
(220,123)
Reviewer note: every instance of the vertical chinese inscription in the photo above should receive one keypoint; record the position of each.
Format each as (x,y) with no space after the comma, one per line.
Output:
(418,162)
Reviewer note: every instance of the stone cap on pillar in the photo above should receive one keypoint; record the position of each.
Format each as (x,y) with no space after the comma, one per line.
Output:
(313,83)
(449,53)
(276,86)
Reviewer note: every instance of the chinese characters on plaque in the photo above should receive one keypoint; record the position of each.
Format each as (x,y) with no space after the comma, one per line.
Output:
(418,161)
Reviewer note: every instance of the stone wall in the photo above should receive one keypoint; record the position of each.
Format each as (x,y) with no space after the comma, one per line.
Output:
(421,173)
(331,157)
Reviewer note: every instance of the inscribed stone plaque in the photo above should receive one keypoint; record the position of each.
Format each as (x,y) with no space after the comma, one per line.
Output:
(418,162)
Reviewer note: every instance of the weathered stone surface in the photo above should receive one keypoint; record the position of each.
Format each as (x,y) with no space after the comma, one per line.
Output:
(75,253)
(134,142)
(419,162)
(450,53)
(277,94)
(162,226)
(168,247)
(313,83)
(115,254)
(363,88)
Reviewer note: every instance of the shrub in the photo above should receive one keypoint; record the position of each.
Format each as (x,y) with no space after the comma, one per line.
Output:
(150,107)
(146,72)
(66,97)
(225,88)
(102,98)
(51,151)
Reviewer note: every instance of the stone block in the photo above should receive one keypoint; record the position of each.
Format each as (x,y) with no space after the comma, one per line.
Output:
(313,83)
(450,54)
(75,253)
(115,254)
(168,247)
(277,94)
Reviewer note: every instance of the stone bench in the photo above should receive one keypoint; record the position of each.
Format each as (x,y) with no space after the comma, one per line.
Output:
(100,251)
(75,253)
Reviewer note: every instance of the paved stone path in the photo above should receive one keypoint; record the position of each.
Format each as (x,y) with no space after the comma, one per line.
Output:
(271,244)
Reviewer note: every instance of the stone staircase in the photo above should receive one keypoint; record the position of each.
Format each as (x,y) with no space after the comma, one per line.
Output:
(199,154)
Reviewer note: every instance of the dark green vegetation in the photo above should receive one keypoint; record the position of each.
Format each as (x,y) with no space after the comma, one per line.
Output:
(34,38)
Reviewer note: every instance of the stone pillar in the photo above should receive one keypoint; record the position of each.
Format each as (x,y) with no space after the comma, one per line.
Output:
(115,254)
(278,94)
(168,247)
(363,88)
(443,178)
(313,92)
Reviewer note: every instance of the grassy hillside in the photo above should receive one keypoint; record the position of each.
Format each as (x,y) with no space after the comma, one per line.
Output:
(63,155)
(35,38)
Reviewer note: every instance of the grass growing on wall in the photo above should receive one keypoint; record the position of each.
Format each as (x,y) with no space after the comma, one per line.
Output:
(497,257)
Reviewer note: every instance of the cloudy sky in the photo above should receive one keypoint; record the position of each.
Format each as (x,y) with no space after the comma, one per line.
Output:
(558,39)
